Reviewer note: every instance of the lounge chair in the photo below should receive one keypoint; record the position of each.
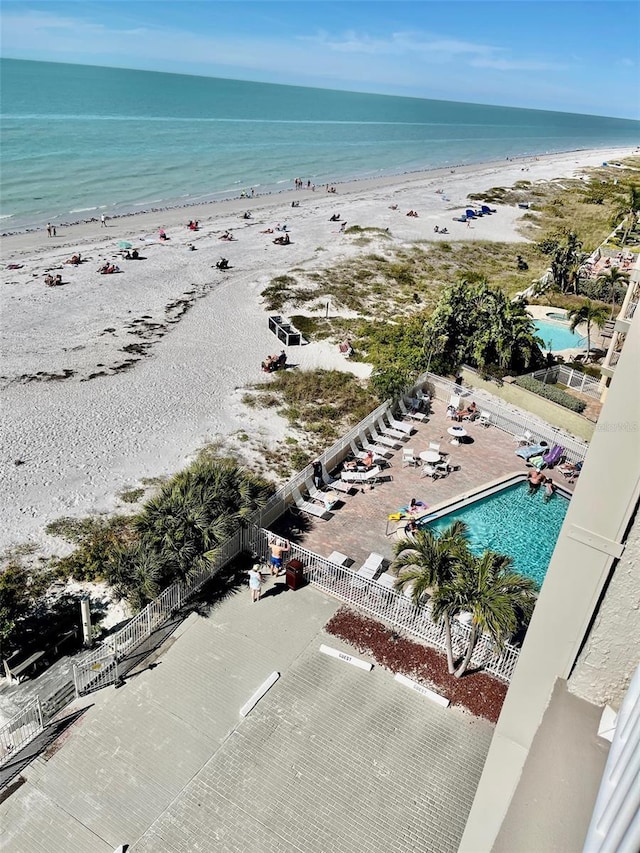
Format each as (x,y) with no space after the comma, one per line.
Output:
(553,456)
(414,414)
(385,440)
(308,507)
(371,566)
(462,218)
(471,214)
(485,419)
(390,431)
(532,450)
(373,475)
(319,496)
(429,470)
(406,429)
(336,485)
(525,438)
(376,449)
(486,209)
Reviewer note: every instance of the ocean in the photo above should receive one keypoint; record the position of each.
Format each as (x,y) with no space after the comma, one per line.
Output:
(79,140)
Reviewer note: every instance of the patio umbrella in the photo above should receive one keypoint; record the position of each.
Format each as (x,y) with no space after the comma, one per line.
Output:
(122,244)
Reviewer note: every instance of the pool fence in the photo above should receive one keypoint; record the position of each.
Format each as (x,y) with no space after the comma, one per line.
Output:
(560,374)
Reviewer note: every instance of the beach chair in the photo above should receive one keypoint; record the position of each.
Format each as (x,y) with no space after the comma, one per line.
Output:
(525,438)
(389,431)
(336,485)
(470,214)
(553,456)
(485,419)
(371,566)
(361,477)
(462,218)
(376,449)
(407,429)
(429,470)
(486,209)
(385,440)
(527,452)
(414,414)
(319,496)
(308,507)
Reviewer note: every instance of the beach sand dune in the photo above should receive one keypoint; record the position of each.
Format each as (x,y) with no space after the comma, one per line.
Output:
(112,378)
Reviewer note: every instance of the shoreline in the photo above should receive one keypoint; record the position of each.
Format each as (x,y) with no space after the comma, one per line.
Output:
(110,380)
(349,185)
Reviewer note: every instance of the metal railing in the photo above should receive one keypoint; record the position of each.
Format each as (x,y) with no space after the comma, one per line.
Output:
(570,377)
(391,606)
(20,730)
(99,667)
(512,421)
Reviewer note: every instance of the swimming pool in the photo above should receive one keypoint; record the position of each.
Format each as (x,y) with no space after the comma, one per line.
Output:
(557,337)
(513,522)
(557,315)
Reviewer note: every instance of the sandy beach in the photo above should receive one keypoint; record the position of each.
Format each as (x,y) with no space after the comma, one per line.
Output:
(109,379)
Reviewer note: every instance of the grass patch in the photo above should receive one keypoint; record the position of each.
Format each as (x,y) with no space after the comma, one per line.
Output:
(131,496)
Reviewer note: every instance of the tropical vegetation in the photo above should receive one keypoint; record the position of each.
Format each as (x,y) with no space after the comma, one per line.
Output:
(590,314)
(550,392)
(441,566)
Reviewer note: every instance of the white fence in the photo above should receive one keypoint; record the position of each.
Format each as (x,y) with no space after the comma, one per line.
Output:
(512,421)
(575,379)
(391,606)
(20,730)
(99,668)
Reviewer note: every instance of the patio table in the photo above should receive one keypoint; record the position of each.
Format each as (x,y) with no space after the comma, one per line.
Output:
(430,456)
(457,432)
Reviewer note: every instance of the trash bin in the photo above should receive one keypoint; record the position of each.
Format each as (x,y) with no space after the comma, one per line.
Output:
(295,574)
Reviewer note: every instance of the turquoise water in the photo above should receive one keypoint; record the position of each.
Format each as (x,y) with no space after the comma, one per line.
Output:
(515,523)
(79,140)
(557,337)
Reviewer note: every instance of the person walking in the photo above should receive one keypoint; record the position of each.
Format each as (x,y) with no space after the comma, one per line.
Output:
(49,230)
(103,220)
(278,547)
(255,582)
(318,482)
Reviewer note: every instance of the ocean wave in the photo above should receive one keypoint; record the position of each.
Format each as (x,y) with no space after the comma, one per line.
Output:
(6,215)
(83,209)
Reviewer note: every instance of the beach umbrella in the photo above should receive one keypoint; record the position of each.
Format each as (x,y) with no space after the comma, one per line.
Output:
(122,244)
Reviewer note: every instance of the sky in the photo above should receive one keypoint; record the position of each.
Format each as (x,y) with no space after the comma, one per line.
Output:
(566,55)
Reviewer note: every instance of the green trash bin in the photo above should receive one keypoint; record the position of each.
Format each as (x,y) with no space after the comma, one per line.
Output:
(294,574)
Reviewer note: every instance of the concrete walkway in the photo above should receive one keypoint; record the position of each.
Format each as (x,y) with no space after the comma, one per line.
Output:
(332,759)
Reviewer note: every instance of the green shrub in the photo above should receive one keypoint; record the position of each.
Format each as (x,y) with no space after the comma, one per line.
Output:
(551,393)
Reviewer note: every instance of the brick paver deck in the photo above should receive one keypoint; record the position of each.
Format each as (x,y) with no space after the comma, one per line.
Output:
(359,525)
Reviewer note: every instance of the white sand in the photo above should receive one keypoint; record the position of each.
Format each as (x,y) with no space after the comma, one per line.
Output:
(72,445)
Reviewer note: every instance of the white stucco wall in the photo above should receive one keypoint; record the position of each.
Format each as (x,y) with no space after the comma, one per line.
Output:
(610,655)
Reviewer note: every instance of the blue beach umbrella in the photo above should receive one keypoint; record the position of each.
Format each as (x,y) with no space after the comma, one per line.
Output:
(122,244)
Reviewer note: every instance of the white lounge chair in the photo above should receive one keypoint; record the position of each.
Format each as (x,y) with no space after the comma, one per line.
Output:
(409,413)
(369,476)
(308,507)
(385,440)
(389,431)
(337,485)
(407,429)
(525,438)
(485,419)
(321,497)
(371,566)
(373,447)
(429,470)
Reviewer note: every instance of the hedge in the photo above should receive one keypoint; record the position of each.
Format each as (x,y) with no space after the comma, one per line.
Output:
(551,393)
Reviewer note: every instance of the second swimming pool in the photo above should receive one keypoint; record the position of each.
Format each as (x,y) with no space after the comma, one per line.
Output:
(515,523)
(558,337)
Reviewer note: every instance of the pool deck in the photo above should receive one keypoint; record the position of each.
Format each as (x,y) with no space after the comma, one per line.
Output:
(359,524)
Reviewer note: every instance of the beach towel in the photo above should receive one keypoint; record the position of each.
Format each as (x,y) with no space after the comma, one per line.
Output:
(533,450)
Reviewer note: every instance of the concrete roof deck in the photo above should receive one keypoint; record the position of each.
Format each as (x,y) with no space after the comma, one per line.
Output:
(359,525)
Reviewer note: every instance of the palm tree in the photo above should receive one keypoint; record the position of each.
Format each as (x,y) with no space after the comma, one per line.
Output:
(627,213)
(610,281)
(588,313)
(498,599)
(566,262)
(426,561)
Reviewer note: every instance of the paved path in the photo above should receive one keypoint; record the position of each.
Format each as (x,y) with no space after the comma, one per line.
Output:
(332,759)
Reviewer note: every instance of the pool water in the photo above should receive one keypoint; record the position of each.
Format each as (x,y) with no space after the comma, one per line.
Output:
(558,337)
(516,523)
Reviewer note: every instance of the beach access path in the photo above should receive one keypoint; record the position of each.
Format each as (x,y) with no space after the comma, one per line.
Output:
(110,379)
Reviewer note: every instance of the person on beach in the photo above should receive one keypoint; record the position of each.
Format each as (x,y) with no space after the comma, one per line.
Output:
(103,220)
(277,547)
(255,582)
(49,230)
(318,482)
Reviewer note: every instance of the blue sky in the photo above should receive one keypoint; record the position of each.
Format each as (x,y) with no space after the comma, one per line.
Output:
(573,56)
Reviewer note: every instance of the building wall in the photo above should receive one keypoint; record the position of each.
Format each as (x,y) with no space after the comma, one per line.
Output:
(610,655)
(586,557)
